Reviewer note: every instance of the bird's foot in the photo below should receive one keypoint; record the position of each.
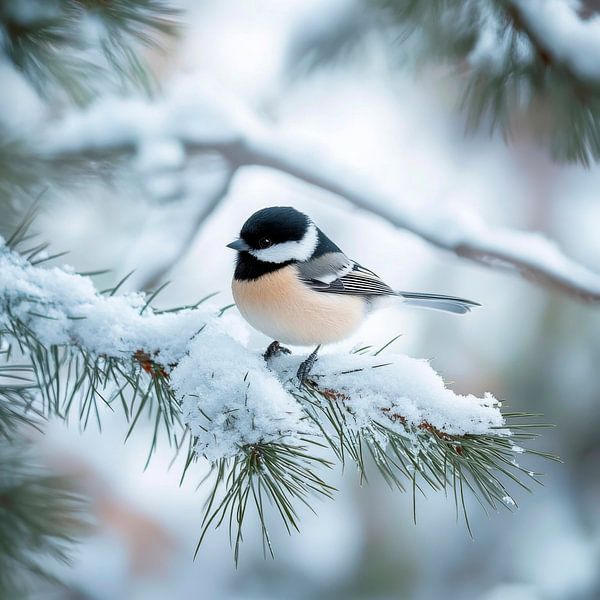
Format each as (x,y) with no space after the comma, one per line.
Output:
(275,349)
(306,366)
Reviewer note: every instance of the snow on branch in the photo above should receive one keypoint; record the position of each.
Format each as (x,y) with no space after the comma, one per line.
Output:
(62,308)
(214,377)
(263,434)
(204,121)
(557,31)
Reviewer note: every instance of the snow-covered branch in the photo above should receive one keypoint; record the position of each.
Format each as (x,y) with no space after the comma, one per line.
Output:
(170,231)
(249,418)
(561,35)
(207,121)
(215,378)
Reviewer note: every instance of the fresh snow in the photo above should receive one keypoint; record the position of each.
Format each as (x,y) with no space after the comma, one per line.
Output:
(230,398)
(392,388)
(74,313)
(508,501)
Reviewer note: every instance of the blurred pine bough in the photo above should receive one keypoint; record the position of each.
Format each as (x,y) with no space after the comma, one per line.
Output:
(70,51)
(524,65)
(78,49)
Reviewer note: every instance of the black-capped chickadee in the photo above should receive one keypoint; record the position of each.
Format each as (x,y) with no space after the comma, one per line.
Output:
(292,283)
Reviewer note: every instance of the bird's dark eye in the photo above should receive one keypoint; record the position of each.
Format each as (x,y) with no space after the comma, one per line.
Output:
(264,242)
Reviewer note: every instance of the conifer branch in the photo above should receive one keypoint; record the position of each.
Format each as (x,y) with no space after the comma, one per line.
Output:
(522,65)
(40,514)
(523,62)
(267,439)
(77,47)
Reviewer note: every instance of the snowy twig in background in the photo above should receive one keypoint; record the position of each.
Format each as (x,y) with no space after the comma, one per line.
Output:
(524,66)
(264,435)
(170,231)
(559,33)
(206,121)
(81,47)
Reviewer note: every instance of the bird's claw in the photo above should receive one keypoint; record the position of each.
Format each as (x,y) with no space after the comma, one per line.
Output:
(275,349)
(306,367)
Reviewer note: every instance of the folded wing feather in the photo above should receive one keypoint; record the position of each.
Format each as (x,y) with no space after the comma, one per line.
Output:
(335,273)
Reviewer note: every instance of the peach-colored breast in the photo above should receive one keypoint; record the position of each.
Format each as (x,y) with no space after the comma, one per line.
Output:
(286,310)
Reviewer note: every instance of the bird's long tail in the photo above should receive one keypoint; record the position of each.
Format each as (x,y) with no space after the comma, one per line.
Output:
(459,306)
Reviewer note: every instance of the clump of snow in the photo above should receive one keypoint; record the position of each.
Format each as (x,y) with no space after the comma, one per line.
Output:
(398,390)
(508,501)
(61,307)
(161,153)
(108,123)
(193,111)
(231,399)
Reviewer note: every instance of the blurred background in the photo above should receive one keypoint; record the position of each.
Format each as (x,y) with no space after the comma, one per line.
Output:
(534,348)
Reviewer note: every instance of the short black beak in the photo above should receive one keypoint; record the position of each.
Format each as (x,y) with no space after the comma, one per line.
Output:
(238,245)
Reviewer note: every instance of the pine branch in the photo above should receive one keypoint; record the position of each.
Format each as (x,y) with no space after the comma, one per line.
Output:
(40,518)
(262,475)
(266,438)
(245,141)
(418,453)
(523,64)
(518,58)
(76,46)
(17,397)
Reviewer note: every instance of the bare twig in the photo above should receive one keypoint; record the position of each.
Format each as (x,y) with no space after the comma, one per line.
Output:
(179,225)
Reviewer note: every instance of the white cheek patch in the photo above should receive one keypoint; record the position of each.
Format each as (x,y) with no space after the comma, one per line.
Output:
(301,250)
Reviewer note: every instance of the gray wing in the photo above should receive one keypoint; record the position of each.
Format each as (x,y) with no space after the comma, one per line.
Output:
(335,273)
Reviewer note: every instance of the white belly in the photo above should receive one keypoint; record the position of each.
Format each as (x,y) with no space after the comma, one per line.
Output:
(286,310)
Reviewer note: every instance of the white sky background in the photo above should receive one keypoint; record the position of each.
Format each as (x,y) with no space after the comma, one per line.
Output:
(405,132)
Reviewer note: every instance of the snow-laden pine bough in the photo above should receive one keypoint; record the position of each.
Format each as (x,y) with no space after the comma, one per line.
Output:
(268,440)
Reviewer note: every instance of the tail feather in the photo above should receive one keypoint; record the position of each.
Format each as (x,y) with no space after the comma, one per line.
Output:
(458,306)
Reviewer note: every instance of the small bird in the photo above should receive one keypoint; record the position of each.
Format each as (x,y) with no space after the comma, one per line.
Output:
(292,283)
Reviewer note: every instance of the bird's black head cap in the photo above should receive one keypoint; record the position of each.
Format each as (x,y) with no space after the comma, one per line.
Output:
(277,224)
